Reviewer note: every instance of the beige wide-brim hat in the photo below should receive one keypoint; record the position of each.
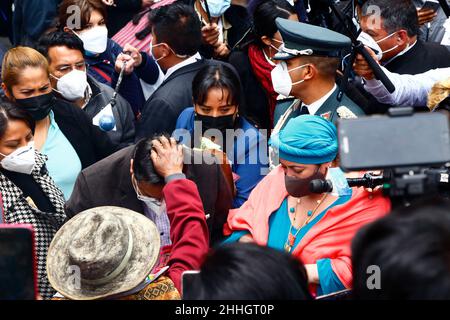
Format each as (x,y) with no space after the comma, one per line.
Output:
(95,237)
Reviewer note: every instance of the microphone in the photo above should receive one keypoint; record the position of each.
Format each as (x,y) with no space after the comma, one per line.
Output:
(367,181)
(321,186)
(336,183)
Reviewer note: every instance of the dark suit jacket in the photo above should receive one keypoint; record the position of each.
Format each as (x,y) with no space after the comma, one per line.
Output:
(90,143)
(161,111)
(108,183)
(422,57)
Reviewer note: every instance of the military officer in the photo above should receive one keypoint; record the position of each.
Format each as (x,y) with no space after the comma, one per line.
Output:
(307,73)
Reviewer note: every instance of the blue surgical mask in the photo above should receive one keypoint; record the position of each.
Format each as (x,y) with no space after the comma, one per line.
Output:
(216,7)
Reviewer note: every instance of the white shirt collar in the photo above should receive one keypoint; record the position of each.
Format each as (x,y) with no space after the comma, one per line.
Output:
(182,64)
(401,53)
(315,106)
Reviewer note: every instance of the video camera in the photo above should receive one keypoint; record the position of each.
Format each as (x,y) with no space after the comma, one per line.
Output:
(413,150)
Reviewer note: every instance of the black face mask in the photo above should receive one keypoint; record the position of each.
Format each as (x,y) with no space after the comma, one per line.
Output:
(220,123)
(38,107)
(297,187)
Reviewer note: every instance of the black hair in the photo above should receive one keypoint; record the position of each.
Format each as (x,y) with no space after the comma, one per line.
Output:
(9,111)
(58,39)
(179,26)
(143,168)
(247,271)
(397,15)
(264,16)
(216,76)
(410,248)
(85,9)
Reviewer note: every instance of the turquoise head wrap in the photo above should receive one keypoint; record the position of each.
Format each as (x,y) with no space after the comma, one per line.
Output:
(307,139)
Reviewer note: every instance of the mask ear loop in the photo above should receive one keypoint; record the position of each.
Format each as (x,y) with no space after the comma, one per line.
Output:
(54,89)
(300,81)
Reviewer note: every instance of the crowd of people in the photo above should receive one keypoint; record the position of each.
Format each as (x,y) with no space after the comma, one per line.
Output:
(147,140)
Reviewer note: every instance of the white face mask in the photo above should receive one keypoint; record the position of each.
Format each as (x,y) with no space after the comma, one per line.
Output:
(21,160)
(281,80)
(155,205)
(151,51)
(72,86)
(158,44)
(368,40)
(95,40)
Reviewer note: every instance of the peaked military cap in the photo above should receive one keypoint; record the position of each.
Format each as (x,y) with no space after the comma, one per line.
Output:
(306,39)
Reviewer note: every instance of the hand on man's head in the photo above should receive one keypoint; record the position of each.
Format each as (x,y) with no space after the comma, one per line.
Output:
(167,156)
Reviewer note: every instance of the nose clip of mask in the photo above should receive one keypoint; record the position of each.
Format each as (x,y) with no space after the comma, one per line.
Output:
(105,118)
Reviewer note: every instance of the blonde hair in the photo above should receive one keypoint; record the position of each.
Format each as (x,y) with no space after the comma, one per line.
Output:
(438,93)
(16,60)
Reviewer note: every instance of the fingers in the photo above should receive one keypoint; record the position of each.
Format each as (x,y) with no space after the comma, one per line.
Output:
(426,16)
(210,34)
(165,142)
(211,27)
(372,53)
(173,142)
(162,143)
(362,68)
(427,13)
(130,48)
(157,146)
(153,155)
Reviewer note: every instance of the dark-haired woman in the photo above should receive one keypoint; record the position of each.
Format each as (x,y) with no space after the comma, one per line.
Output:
(216,95)
(29,193)
(266,44)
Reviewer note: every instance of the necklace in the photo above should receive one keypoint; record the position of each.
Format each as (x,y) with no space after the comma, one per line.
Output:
(290,241)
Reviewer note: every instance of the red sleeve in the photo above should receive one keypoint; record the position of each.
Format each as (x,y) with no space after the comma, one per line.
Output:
(188,228)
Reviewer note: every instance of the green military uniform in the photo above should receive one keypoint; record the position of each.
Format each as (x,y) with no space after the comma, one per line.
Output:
(308,40)
(328,109)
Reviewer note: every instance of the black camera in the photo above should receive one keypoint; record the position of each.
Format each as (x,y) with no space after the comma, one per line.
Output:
(413,150)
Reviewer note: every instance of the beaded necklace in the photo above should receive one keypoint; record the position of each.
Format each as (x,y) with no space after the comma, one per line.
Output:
(290,241)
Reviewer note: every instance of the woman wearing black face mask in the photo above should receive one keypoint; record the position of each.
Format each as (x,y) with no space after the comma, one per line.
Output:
(315,228)
(63,131)
(29,193)
(215,115)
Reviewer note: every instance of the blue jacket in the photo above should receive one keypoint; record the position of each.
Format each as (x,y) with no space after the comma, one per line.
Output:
(31,18)
(101,68)
(255,149)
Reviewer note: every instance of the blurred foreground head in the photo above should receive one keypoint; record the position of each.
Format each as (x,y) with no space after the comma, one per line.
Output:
(244,271)
(405,255)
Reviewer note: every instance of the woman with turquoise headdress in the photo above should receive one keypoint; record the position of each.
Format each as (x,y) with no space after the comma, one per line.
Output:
(282,213)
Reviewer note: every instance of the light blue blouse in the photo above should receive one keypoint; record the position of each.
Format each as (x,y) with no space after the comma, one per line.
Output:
(63,163)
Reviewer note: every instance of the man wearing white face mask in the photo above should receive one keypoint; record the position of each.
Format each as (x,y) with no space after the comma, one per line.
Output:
(309,62)
(67,66)
(101,53)
(394,34)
